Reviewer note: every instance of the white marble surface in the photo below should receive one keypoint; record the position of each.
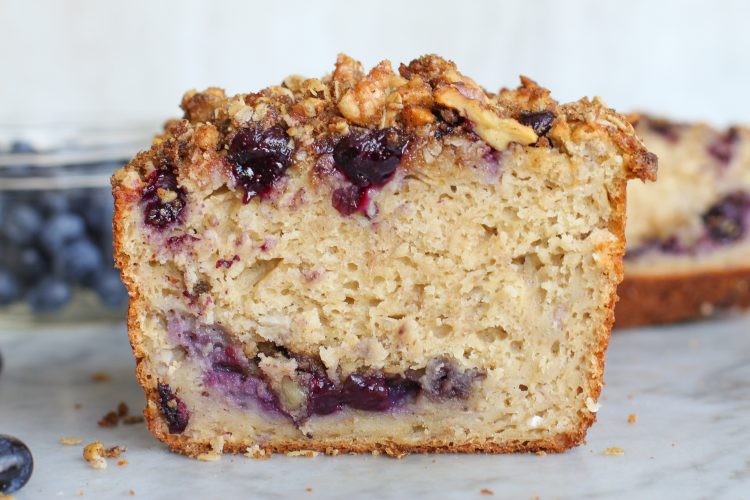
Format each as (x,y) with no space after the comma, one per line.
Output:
(689,386)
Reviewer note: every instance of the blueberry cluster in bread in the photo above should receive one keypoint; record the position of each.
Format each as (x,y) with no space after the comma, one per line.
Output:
(688,233)
(390,261)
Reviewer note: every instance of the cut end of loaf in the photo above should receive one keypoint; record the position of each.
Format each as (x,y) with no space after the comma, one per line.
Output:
(384,262)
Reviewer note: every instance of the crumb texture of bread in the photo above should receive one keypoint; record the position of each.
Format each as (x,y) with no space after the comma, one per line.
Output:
(688,234)
(383,261)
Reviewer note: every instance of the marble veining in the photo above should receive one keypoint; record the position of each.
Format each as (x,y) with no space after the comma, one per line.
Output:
(688,384)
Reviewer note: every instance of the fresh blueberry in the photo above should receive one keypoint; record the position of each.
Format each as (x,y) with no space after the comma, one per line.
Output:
(52,202)
(21,224)
(259,158)
(369,158)
(98,212)
(110,289)
(60,229)
(540,121)
(16,464)
(80,260)
(159,212)
(28,264)
(49,295)
(22,147)
(9,289)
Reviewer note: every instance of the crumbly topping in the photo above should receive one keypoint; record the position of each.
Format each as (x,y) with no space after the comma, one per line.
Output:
(426,99)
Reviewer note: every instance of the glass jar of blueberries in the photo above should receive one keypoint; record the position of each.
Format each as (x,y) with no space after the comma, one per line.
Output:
(56,221)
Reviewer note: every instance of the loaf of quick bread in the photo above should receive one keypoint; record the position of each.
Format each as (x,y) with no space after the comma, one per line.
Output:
(391,261)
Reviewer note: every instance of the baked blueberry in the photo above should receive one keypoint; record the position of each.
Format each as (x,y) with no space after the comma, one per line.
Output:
(174,410)
(726,220)
(259,158)
(369,158)
(16,464)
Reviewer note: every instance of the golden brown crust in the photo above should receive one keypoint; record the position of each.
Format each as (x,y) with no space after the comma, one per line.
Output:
(667,299)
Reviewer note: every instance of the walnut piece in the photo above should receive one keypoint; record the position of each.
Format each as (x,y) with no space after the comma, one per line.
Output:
(495,131)
(365,103)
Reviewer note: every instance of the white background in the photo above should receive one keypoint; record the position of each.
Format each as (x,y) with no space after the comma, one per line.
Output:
(66,60)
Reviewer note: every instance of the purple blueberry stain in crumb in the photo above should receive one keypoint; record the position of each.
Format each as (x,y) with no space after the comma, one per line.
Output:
(227,263)
(540,121)
(726,220)
(240,380)
(162,199)
(444,380)
(259,157)
(722,148)
(174,410)
(349,199)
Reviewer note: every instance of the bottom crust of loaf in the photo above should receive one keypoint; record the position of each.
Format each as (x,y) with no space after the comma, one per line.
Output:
(207,449)
(650,300)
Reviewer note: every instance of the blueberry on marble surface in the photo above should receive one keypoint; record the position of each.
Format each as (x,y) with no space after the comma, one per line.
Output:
(49,295)
(16,464)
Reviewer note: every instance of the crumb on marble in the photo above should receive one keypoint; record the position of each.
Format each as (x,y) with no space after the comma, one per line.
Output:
(79,493)
(122,462)
(614,450)
(114,451)
(632,418)
(71,440)
(302,453)
(308,489)
(257,453)
(77,406)
(541,453)
(486,491)
(132,419)
(93,453)
(122,409)
(110,419)
(100,377)
(131,493)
